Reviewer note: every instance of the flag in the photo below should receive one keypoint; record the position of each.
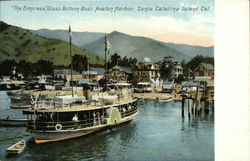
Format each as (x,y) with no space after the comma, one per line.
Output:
(32,103)
(146,60)
(107,45)
(70,33)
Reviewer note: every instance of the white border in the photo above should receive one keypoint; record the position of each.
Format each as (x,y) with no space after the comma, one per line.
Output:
(232,111)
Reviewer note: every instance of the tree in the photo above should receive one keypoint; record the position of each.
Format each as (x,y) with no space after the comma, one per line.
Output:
(44,67)
(26,68)
(7,66)
(197,60)
(80,63)
(166,72)
(115,58)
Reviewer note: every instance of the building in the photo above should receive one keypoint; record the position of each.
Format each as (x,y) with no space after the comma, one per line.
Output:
(146,73)
(100,72)
(65,74)
(176,68)
(204,74)
(167,59)
(120,74)
(91,76)
(204,70)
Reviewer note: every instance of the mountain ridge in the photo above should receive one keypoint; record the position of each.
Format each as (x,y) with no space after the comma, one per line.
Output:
(188,51)
(135,46)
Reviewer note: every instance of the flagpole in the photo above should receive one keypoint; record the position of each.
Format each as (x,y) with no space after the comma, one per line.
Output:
(71,66)
(88,69)
(106,62)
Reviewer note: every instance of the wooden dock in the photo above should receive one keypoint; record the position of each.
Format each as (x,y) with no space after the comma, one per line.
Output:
(195,100)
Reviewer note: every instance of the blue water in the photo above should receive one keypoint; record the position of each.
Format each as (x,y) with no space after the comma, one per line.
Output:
(157,133)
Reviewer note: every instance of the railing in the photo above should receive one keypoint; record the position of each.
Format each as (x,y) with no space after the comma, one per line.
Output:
(36,125)
(53,104)
(67,125)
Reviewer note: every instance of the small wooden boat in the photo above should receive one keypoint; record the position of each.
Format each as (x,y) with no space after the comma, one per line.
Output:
(165,99)
(19,106)
(16,148)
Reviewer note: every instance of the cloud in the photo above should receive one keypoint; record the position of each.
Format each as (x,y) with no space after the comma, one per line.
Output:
(202,19)
(163,28)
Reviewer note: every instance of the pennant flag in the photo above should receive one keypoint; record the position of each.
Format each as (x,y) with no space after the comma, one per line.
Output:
(147,60)
(107,45)
(70,33)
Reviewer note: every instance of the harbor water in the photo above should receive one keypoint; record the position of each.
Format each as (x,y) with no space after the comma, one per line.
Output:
(158,132)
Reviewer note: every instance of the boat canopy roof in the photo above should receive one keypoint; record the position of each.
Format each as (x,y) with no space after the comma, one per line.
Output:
(69,98)
(122,84)
(143,83)
(190,84)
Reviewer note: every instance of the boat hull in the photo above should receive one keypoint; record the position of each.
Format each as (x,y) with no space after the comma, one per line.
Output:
(53,136)
(16,148)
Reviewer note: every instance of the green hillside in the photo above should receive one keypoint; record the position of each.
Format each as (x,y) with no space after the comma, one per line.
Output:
(19,44)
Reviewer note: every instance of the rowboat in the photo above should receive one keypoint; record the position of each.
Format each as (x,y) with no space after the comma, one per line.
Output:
(19,106)
(165,99)
(16,148)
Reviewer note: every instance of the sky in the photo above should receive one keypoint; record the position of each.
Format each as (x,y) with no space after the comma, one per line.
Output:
(192,23)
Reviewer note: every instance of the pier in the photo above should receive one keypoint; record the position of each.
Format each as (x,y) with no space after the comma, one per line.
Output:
(196,100)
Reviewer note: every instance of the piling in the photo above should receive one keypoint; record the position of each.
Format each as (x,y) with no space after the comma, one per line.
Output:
(182,107)
(189,102)
(192,106)
(198,106)
(206,108)
(213,106)
(196,100)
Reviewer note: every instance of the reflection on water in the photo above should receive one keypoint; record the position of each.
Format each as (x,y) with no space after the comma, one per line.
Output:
(5,110)
(157,133)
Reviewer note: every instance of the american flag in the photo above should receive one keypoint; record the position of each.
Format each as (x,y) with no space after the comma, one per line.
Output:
(107,45)
(32,102)
(70,33)
(147,60)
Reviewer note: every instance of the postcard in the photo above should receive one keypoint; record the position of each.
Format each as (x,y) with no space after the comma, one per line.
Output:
(108,80)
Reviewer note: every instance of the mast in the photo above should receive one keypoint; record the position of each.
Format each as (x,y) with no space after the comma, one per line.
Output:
(107,49)
(88,69)
(105,61)
(71,66)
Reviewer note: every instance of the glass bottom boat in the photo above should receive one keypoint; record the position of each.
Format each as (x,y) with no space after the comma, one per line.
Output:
(55,121)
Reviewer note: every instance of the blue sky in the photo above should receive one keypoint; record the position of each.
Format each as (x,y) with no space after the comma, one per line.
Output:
(188,27)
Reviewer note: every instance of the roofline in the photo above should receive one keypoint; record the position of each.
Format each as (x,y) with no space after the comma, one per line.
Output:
(204,66)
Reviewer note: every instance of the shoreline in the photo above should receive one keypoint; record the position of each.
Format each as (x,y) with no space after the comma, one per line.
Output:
(158,96)
(152,95)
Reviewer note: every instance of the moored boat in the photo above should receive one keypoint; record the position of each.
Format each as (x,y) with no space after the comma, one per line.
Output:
(164,98)
(68,117)
(13,122)
(12,106)
(16,148)
(54,121)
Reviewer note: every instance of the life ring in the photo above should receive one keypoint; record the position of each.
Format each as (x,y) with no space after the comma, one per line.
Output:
(58,127)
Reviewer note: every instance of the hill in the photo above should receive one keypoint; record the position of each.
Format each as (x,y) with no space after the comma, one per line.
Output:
(79,38)
(133,46)
(88,40)
(20,44)
(192,50)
